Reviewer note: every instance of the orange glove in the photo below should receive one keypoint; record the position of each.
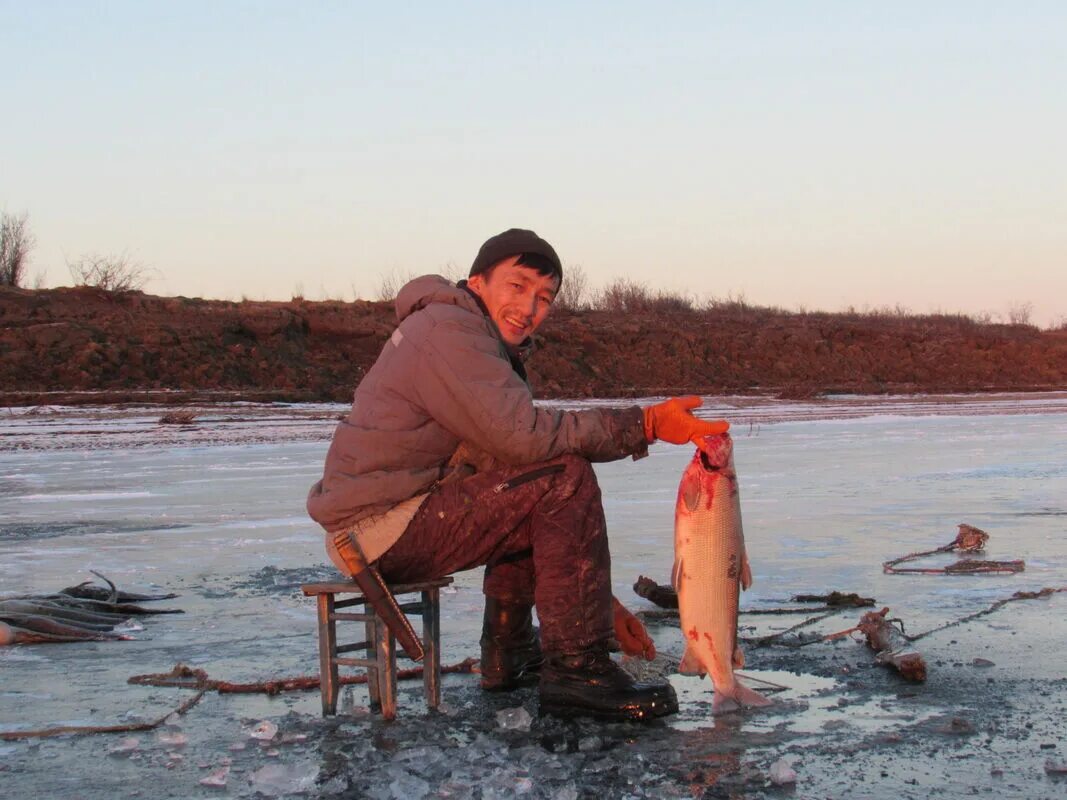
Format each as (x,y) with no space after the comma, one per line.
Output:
(673,421)
(631,634)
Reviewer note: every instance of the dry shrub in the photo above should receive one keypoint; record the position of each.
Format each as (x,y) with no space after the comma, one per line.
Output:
(573,291)
(391,285)
(452,272)
(181,417)
(1020,313)
(737,308)
(729,305)
(629,297)
(901,318)
(16,241)
(112,273)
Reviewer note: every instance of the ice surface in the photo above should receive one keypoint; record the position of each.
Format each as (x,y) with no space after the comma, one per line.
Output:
(829,491)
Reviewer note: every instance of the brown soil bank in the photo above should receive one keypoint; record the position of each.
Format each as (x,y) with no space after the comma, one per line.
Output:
(83,339)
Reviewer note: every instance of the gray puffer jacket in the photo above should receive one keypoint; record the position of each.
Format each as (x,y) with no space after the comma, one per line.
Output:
(446,377)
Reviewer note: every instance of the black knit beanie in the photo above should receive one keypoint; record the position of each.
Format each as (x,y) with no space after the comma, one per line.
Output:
(513,242)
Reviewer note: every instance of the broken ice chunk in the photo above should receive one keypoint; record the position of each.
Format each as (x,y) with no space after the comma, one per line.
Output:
(406,786)
(216,779)
(781,773)
(514,719)
(282,779)
(264,731)
(125,746)
(172,738)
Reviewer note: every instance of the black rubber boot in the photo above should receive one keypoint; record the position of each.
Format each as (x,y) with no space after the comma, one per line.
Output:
(590,684)
(511,648)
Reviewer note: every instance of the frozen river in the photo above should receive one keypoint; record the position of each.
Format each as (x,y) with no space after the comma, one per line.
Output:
(830,490)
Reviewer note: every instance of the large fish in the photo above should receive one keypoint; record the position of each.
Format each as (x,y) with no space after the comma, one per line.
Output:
(710,567)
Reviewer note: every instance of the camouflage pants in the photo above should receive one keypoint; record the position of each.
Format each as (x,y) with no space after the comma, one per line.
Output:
(539,529)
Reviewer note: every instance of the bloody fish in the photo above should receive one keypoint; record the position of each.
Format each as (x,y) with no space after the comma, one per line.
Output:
(710,569)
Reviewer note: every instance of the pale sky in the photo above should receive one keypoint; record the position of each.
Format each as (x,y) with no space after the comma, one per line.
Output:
(799,154)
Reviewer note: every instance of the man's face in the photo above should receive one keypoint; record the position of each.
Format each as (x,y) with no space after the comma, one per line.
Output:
(518,297)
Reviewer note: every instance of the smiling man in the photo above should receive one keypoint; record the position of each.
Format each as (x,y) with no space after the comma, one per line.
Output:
(445,464)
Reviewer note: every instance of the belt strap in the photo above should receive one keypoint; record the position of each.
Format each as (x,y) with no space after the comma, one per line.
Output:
(377,594)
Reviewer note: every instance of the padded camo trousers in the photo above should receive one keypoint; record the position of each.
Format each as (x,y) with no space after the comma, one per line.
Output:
(539,530)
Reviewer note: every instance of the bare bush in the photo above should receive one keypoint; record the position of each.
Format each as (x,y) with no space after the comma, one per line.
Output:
(736,307)
(16,241)
(1020,313)
(732,303)
(180,417)
(452,272)
(112,273)
(573,290)
(627,297)
(896,312)
(391,285)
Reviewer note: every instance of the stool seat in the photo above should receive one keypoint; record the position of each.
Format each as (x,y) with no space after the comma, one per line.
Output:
(380,642)
(350,587)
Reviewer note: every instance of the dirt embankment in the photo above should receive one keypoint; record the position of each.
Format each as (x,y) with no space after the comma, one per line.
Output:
(83,339)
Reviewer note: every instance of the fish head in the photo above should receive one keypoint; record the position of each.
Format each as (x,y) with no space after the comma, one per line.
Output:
(717,452)
(709,465)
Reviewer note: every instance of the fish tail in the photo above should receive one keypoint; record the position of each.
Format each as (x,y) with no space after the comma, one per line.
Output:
(691,664)
(722,703)
(750,697)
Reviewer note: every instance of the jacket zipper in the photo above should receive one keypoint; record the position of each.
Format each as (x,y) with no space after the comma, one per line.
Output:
(526,477)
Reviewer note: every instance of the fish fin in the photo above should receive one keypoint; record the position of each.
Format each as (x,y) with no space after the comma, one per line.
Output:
(690,494)
(691,665)
(676,575)
(746,571)
(722,703)
(739,657)
(750,697)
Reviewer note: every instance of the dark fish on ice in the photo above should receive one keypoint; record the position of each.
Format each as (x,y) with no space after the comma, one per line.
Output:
(78,613)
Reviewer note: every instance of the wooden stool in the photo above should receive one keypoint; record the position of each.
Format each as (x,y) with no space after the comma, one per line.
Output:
(379,645)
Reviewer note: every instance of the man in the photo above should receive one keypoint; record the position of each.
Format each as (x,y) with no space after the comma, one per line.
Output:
(445,464)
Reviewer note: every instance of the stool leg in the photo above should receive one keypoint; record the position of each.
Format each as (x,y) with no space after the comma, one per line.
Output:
(431,643)
(372,672)
(386,668)
(328,683)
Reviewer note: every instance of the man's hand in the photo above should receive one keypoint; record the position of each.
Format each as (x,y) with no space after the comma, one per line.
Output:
(673,421)
(631,634)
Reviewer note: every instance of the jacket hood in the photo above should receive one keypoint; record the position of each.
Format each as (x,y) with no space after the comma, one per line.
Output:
(427,289)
